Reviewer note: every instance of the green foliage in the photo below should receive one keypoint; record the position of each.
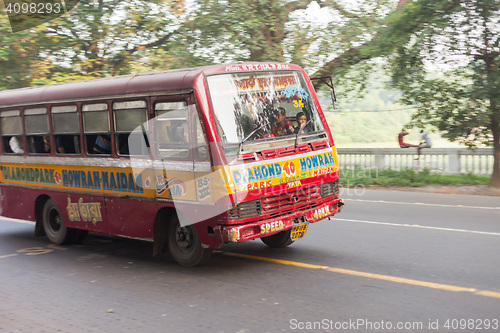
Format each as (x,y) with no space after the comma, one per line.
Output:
(457,40)
(98,38)
(352,177)
(461,40)
(111,37)
(17,52)
(460,102)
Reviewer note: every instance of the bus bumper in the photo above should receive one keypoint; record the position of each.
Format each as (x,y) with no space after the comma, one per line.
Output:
(248,231)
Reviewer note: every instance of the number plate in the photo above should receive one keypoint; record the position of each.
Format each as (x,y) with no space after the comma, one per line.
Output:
(299,231)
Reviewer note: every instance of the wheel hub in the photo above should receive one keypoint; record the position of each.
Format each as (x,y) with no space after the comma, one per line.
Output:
(55,220)
(183,237)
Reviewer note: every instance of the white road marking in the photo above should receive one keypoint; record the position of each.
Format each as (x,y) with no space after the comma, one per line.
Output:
(17,220)
(418,226)
(423,204)
(8,255)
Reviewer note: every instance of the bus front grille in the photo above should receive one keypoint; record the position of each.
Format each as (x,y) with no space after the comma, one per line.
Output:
(286,203)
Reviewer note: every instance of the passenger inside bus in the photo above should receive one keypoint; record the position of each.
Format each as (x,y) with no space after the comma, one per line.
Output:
(282,125)
(102,144)
(123,144)
(178,131)
(65,144)
(301,121)
(36,144)
(15,145)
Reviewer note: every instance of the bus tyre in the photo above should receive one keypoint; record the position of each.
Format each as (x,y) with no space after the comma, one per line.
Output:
(281,239)
(185,246)
(54,226)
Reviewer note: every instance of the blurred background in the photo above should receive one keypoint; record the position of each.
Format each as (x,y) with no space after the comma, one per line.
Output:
(426,64)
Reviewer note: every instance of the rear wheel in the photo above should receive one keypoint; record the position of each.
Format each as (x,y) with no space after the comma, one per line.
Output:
(54,226)
(281,239)
(185,246)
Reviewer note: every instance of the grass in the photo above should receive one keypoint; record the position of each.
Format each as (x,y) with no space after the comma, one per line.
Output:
(350,177)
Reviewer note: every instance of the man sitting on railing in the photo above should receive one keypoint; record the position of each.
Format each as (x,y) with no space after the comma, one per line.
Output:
(425,143)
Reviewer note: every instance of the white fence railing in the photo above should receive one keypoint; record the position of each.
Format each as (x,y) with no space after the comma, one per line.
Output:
(438,160)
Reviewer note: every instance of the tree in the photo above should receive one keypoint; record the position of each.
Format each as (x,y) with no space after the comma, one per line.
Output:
(308,33)
(98,38)
(17,53)
(111,37)
(446,62)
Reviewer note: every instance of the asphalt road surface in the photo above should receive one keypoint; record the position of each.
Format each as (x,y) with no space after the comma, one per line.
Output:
(390,262)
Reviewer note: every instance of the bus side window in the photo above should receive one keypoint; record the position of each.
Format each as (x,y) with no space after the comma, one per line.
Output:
(12,130)
(172,130)
(128,116)
(96,128)
(201,142)
(66,128)
(37,127)
(6,144)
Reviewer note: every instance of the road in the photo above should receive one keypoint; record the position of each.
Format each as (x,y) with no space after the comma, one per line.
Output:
(391,261)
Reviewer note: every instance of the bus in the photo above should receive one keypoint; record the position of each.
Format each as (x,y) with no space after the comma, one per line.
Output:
(187,159)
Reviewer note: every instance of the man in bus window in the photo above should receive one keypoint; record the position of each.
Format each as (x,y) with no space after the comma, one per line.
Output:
(178,131)
(102,144)
(282,126)
(15,145)
(65,144)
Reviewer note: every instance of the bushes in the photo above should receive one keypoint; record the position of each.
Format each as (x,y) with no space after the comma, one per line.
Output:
(350,177)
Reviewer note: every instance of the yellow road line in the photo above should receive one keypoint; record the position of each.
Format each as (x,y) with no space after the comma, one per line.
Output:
(389,278)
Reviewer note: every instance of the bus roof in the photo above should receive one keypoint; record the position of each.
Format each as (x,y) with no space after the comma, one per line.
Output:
(142,83)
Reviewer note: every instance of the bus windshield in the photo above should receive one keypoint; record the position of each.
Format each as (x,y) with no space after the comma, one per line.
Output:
(265,105)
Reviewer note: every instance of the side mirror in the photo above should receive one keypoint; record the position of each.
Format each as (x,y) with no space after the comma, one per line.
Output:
(329,82)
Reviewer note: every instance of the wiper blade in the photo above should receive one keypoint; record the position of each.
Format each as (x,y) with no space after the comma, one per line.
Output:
(251,133)
(298,132)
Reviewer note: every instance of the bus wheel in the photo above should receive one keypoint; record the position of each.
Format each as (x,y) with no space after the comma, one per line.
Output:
(185,246)
(54,227)
(281,239)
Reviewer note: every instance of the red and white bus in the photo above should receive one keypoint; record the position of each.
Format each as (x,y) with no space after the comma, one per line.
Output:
(189,159)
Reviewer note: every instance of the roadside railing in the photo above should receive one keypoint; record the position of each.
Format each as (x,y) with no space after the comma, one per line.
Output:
(439,160)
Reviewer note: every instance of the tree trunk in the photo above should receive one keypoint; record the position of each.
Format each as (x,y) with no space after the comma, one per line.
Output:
(495,176)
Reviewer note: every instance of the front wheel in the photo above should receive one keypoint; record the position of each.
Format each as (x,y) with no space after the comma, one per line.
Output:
(185,246)
(281,239)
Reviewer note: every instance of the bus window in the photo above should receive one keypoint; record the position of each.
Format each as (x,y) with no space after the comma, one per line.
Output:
(37,129)
(128,116)
(172,130)
(12,130)
(201,142)
(251,107)
(96,128)
(66,129)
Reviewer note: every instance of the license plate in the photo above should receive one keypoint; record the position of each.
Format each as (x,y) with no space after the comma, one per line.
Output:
(298,231)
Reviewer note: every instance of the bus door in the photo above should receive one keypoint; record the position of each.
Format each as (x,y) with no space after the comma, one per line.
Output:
(174,137)
(124,191)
